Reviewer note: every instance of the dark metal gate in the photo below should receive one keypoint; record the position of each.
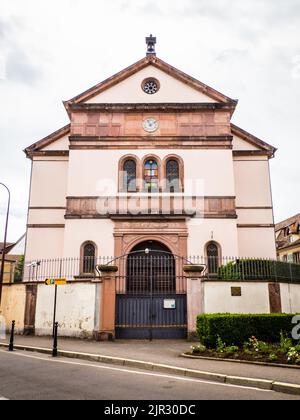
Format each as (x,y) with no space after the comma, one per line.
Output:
(151,296)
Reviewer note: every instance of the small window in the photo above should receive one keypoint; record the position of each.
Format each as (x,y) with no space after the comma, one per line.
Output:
(296,257)
(150,86)
(129,182)
(151,179)
(213,258)
(89,258)
(173,181)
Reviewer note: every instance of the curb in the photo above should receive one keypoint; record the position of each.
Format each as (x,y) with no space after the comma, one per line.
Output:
(245,362)
(286,388)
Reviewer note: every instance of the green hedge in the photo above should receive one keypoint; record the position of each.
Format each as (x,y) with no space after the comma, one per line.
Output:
(254,269)
(235,329)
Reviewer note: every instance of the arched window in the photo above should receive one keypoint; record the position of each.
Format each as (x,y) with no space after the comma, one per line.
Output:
(129,180)
(172,176)
(151,178)
(89,258)
(213,258)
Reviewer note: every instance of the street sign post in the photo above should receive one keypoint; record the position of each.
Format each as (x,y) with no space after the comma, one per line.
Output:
(55,282)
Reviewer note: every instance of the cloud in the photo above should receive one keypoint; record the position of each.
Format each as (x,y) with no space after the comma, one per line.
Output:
(16,64)
(20,69)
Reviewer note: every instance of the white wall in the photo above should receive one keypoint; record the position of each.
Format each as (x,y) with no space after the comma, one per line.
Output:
(202,231)
(254,299)
(44,243)
(46,216)
(255,216)
(257,243)
(48,190)
(290,298)
(240,144)
(49,183)
(75,310)
(252,180)
(60,144)
(98,231)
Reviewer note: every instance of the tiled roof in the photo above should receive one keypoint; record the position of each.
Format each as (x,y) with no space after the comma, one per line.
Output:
(288,222)
(8,247)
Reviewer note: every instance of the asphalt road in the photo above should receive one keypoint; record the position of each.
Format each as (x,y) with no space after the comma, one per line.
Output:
(26,376)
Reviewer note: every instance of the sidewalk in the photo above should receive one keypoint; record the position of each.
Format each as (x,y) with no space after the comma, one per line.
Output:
(166,352)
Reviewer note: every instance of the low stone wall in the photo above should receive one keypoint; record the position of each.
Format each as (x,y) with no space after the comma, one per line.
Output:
(290,296)
(77,309)
(79,304)
(32,307)
(13,306)
(255,297)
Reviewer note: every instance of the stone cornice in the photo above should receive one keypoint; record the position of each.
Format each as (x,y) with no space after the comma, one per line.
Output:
(144,142)
(241,153)
(47,153)
(147,107)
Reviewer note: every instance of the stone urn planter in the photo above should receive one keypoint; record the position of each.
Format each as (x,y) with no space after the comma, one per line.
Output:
(193,271)
(107,269)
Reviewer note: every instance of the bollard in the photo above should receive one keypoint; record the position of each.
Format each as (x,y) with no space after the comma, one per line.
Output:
(54,352)
(12,335)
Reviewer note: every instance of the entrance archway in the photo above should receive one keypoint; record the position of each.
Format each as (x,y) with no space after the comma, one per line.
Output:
(151,303)
(151,268)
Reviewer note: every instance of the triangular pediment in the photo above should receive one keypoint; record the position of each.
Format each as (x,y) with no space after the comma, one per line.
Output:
(57,141)
(246,142)
(126,87)
(177,90)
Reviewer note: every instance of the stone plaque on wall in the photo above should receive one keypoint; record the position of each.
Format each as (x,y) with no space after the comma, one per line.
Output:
(236,291)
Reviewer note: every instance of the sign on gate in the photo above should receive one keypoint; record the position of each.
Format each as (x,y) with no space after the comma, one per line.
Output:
(169,304)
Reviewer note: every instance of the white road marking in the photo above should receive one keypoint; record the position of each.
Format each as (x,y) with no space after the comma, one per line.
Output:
(3,399)
(178,378)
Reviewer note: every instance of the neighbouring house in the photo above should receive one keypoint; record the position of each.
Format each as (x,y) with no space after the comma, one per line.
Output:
(14,258)
(149,170)
(288,239)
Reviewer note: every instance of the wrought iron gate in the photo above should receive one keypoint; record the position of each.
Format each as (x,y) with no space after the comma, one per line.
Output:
(151,296)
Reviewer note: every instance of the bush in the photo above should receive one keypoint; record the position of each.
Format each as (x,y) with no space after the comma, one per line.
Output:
(254,269)
(18,276)
(293,356)
(273,357)
(198,349)
(285,343)
(235,329)
(231,349)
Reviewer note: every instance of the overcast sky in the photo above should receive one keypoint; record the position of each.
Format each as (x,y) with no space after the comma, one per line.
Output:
(53,50)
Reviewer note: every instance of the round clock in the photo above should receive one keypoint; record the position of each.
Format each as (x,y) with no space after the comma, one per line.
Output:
(150,125)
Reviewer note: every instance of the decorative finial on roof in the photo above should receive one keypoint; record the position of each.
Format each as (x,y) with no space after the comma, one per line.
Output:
(151,41)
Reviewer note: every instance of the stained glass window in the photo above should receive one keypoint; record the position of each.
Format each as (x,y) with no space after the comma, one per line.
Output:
(151,181)
(173,182)
(213,258)
(89,258)
(129,176)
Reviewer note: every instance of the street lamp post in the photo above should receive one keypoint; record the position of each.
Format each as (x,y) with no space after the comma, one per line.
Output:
(4,242)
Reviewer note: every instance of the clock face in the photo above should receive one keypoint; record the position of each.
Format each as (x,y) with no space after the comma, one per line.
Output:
(150,125)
